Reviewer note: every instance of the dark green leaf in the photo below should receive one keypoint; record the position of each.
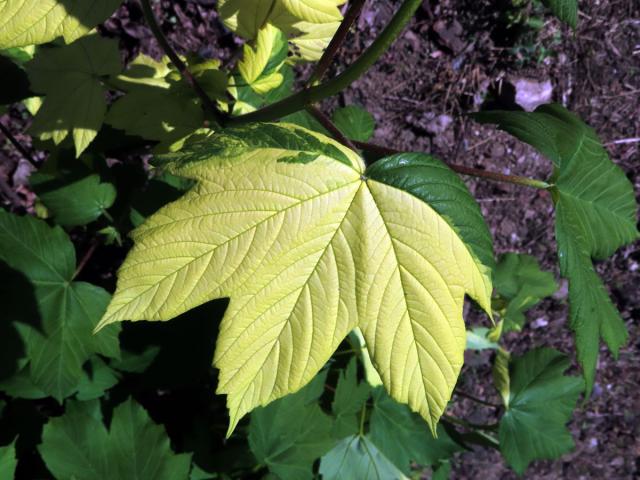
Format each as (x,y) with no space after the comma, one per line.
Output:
(357,457)
(403,437)
(348,401)
(519,280)
(430,180)
(289,434)
(354,122)
(596,213)
(80,202)
(565,10)
(69,310)
(99,378)
(135,362)
(541,401)
(8,461)
(79,446)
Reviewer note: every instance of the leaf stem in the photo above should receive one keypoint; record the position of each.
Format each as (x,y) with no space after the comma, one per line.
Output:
(86,257)
(355,7)
(308,96)
(462,394)
(207,102)
(473,172)
(363,413)
(326,122)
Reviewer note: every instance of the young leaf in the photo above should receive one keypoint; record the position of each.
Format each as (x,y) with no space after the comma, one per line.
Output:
(358,457)
(478,339)
(259,67)
(348,400)
(308,246)
(403,438)
(519,280)
(541,400)
(354,122)
(595,215)
(68,310)
(28,22)
(80,202)
(8,461)
(291,433)
(75,99)
(565,10)
(309,24)
(78,445)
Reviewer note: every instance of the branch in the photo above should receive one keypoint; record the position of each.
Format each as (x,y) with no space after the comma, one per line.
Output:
(207,102)
(462,394)
(473,172)
(300,100)
(326,122)
(18,146)
(355,7)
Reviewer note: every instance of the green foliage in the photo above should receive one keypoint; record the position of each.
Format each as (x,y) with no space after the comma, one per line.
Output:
(596,213)
(541,400)
(78,445)
(521,285)
(343,335)
(354,122)
(57,348)
(290,434)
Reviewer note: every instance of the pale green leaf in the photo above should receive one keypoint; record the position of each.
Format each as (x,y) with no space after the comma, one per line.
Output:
(500,374)
(308,246)
(477,339)
(309,24)
(403,437)
(291,433)
(28,22)
(521,283)
(358,457)
(596,213)
(78,445)
(348,400)
(68,310)
(541,401)
(8,461)
(354,122)
(75,98)
(79,202)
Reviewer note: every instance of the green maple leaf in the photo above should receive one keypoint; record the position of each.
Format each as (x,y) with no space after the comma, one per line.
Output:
(519,280)
(358,457)
(354,122)
(8,461)
(565,10)
(291,433)
(75,100)
(308,245)
(541,400)
(78,445)
(403,438)
(28,22)
(309,24)
(58,348)
(596,213)
(348,400)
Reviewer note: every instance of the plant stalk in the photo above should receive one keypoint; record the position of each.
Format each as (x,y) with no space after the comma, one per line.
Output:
(298,101)
(462,394)
(207,102)
(355,7)
(473,172)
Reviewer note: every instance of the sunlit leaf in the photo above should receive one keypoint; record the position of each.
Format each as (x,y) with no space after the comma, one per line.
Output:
(309,245)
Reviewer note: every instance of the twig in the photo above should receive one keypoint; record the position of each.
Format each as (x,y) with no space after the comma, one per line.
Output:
(460,393)
(209,104)
(474,172)
(355,7)
(86,257)
(623,141)
(18,146)
(330,126)
(464,423)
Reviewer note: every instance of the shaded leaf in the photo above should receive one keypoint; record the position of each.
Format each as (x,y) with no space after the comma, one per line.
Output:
(354,122)
(348,400)
(8,461)
(541,401)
